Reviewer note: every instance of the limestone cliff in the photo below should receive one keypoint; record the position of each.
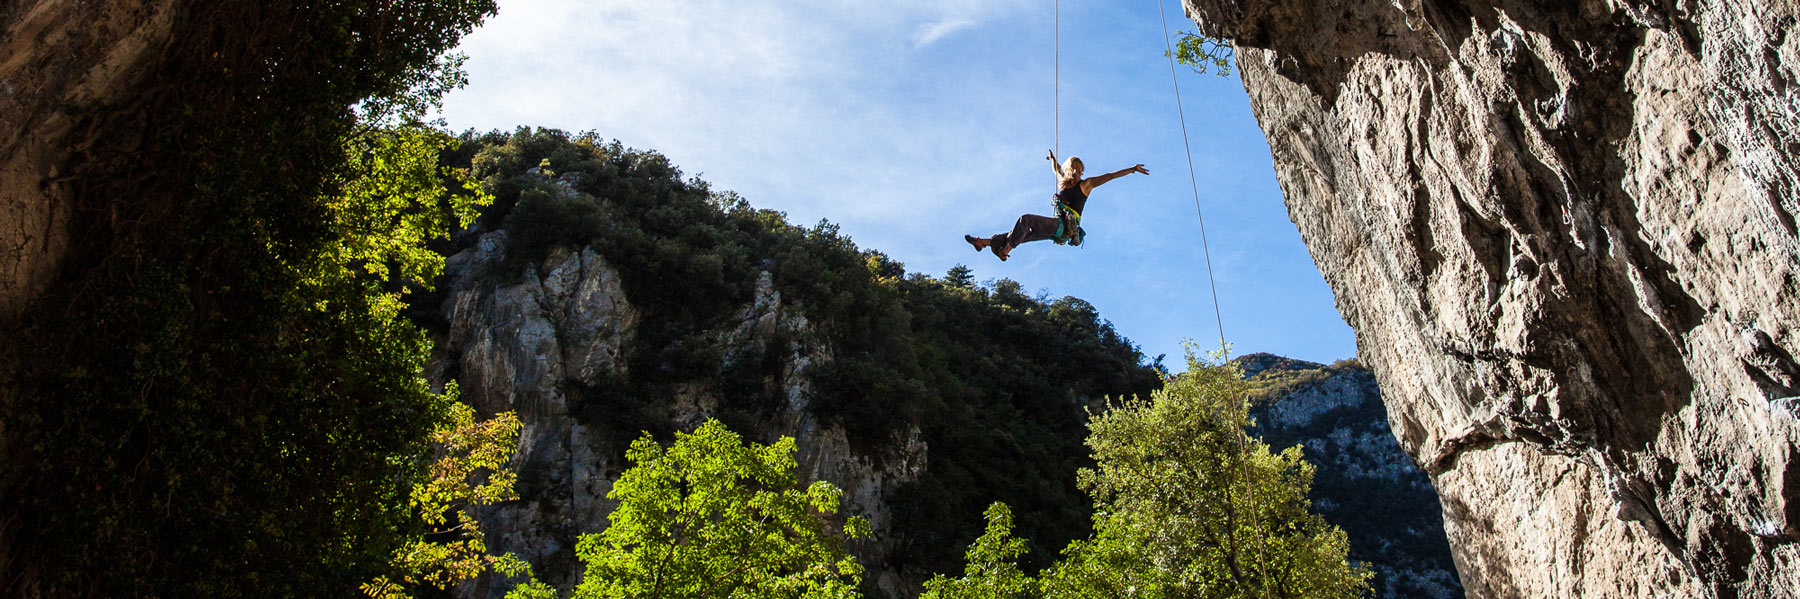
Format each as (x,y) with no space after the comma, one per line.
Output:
(1565,235)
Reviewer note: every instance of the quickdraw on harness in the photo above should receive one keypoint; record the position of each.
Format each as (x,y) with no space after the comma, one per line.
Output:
(1068,225)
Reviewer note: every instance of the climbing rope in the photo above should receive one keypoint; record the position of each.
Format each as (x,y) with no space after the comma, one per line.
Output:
(1193,179)
(1194,184)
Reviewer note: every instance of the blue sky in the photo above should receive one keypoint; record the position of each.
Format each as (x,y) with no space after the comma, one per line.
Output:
(912,122)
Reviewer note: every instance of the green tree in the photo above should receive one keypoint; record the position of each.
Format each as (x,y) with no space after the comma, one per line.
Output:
(394,199)
(993,571)
(1204,53)
(1186,505)
(960,276)
(712,516)
(469,472)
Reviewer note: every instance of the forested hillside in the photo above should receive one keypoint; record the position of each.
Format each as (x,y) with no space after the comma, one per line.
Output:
(977,392)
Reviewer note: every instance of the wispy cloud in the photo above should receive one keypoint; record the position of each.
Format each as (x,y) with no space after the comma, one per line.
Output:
(930,33)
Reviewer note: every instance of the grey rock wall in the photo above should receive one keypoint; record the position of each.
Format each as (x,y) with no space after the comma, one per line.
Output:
(1564,232)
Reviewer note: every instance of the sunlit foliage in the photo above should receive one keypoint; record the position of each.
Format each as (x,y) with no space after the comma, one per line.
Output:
(1185,505)
(469,471)
(714,517)
(1203,53)
(993,565)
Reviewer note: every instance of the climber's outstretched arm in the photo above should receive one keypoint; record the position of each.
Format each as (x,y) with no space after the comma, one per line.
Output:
(1055,166)
(1090,183)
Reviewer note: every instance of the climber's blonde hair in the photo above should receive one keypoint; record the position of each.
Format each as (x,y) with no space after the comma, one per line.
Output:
(1071,172)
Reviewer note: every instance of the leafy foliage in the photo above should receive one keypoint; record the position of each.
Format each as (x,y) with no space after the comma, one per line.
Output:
(1185,505)
(221,399)
(993,565)
(1204,53)
(394,200)
(1195,508)
(712,516)
(469,472)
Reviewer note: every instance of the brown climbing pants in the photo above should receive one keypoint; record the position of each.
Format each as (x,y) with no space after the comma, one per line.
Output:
(1031,227)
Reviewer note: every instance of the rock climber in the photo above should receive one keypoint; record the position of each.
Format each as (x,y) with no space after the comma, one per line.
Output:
(1065,228)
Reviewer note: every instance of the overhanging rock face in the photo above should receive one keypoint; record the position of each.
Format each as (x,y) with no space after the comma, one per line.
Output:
(1565,233)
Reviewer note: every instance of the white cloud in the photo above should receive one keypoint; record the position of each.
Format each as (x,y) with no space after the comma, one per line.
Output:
(932,32)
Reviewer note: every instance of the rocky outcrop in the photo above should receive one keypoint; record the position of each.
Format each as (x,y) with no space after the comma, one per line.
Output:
(1363,483)
(1564,233)
(545,343)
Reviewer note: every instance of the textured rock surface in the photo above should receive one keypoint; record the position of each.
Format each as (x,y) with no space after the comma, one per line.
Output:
(528,343)
(1565,235)
(58,57)
(1364,482)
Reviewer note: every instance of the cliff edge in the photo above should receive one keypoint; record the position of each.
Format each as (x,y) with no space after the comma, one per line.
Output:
(1564,233)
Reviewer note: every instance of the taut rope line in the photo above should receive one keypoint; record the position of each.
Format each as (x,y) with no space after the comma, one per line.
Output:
(1193,179)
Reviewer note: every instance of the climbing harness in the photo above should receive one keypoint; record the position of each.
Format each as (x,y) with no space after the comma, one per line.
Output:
(1068,225)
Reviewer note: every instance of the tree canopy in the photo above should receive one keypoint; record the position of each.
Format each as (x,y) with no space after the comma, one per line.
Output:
(1185,505)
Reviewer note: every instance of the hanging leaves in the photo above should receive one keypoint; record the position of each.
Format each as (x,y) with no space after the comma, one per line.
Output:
(1204,53)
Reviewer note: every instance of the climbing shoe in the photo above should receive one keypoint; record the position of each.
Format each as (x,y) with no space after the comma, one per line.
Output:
(979,243)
